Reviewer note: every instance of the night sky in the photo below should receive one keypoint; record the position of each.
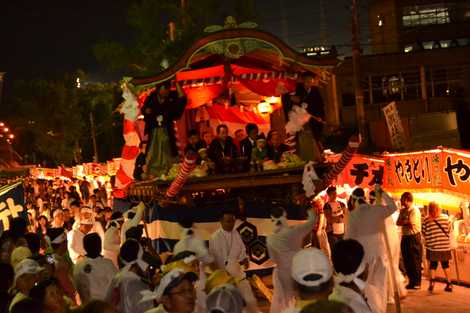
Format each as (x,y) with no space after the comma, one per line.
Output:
(48,37)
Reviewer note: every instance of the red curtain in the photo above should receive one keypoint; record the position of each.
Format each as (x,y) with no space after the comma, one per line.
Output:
(269,88)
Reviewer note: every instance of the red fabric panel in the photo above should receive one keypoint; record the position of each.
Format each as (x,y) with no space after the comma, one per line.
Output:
(270,87)
(129,152)
(202,95)
(208,72)
(234,115)
(239,70)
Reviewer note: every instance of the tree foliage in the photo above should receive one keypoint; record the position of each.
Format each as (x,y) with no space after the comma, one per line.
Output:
(51,119)
(151,45)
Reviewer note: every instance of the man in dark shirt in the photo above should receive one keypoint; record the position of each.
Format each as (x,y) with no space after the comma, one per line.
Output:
(194,142)
(139,168)
(275,146)
(248,144)
(308,92)
(222,150)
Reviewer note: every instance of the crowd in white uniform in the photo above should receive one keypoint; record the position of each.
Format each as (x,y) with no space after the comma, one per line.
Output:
(113,266)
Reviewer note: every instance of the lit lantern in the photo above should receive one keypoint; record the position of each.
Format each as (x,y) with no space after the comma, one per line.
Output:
(265,107)
(272,100)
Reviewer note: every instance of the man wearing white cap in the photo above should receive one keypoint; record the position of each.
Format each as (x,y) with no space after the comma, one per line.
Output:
(313,277)
(93,275)
(26,275)
(86,213)
(75,239)
(283,244)
(132,218)
(124,293)
(175,293)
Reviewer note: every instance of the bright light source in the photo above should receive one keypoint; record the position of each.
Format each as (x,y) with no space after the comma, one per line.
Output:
(140,117)
(2,124)
(11,136)
(272,100)
(265,107)
(78,82)
(6,129)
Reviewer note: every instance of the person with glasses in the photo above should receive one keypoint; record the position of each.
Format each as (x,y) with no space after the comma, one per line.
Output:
(176,293)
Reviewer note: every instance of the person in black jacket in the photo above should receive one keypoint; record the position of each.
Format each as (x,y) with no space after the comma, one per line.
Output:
(308,93)
(248,144)
(139,168)
(160,110)
(222,150)
(275,146)
(194,142)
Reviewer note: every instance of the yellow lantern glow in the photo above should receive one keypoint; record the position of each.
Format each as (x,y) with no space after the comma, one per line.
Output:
(272,100)
(265,108)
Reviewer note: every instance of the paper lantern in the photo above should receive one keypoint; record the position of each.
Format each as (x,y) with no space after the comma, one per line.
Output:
(265,108)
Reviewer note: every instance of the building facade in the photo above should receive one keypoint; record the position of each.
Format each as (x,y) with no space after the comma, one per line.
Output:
(411,25)
(419,60)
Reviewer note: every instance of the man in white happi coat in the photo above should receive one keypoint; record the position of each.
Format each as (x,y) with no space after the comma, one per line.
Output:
(86,213)
(112,238)
(229,252)
(125,291)
(283,244)
(132,218)
(93,274)
(366,224)
(75,240)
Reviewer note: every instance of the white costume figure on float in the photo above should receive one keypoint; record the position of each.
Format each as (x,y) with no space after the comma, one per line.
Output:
(229,252)
(283,244)
(366,224)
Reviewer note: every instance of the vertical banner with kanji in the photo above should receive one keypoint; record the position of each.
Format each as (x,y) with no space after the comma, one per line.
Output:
(395,127)
(11,204)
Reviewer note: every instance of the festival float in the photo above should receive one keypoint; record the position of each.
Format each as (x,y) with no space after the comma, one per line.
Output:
(234,75)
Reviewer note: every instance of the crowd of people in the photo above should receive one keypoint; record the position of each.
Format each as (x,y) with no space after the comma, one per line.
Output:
(223,154)
(76,254)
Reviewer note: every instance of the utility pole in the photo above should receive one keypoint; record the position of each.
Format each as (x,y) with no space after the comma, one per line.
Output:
(93,137)
(356,58)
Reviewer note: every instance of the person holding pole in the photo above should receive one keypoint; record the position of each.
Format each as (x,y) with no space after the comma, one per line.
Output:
(366,224)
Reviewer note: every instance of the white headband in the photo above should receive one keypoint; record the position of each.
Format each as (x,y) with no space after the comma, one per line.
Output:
(354,277)
(120,219)
(139,261)
(281,220)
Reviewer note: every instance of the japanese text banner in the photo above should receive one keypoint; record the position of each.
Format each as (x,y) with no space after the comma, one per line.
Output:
(434,170)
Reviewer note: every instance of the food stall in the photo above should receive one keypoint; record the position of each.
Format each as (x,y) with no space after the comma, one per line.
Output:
(441,175)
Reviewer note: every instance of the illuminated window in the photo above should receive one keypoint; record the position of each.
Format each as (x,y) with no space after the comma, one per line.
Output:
(425,15)
(380,20)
